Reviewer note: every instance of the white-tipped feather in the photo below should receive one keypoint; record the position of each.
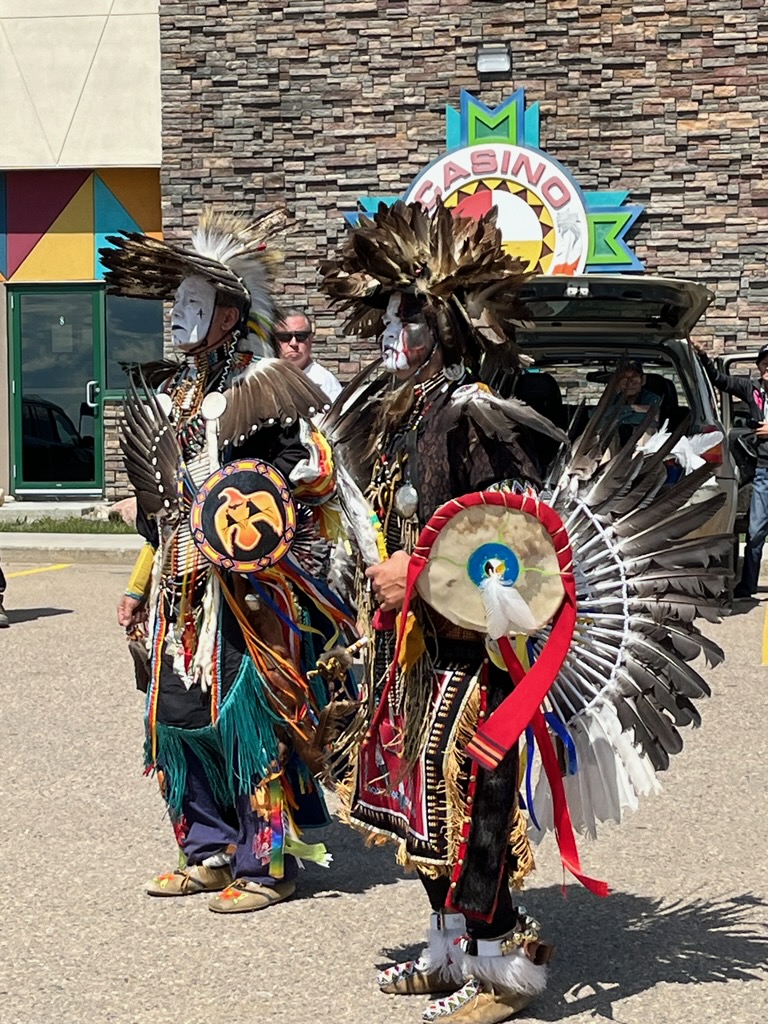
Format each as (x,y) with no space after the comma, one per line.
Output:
(500,417)
(506,610)
(358,516)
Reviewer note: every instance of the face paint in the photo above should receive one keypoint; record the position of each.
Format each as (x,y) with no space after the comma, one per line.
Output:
(192,311)
(406,340)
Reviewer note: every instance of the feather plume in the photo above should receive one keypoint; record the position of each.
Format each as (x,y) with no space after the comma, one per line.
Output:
(456,265)
(498,417)
(506,610)
(358,516)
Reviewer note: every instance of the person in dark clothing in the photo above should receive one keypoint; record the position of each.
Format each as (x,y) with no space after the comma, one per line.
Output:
(754,392)
(429,436)
(4,621)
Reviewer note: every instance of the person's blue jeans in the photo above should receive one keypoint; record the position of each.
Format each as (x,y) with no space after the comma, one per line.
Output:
(756,532)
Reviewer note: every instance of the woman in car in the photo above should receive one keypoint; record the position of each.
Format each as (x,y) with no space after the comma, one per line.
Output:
(631,394)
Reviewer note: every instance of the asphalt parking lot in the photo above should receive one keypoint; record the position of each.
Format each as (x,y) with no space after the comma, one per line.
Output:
(683,936)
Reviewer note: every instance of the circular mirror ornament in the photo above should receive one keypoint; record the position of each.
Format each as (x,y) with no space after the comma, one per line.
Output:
(491,562)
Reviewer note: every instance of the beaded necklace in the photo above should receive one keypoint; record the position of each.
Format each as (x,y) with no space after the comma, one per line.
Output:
(392,490)
(189,387)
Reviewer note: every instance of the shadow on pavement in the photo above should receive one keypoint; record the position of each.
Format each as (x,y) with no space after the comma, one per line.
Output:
(614,948)
(355,869)
(30,614)
(608,950)
(743,605)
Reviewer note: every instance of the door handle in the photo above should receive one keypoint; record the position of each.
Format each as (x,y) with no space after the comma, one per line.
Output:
(91,390)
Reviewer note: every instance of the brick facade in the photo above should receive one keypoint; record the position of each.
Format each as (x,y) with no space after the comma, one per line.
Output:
(311,103)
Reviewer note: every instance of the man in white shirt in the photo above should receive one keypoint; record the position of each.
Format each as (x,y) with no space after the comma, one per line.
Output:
(294,336)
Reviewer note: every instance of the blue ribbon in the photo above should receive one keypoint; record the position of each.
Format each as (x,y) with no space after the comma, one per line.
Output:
(562,733)
(264,596)
(530,750)
(324,589)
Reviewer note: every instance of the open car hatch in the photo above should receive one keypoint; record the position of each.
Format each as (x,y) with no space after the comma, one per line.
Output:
(645,307)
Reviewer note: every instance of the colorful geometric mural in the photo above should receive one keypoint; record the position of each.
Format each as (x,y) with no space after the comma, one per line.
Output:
(52,223)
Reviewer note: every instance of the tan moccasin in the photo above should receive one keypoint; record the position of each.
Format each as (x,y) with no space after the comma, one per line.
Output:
(477,1004)
(243,896)
(196,878)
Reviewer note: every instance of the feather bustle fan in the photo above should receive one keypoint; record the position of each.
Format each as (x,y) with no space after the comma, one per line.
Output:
(627,689)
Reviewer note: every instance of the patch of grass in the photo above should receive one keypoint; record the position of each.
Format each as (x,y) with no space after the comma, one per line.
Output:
(72,524)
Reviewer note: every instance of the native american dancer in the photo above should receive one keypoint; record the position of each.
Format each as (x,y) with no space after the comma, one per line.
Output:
(234,485)
(498,608)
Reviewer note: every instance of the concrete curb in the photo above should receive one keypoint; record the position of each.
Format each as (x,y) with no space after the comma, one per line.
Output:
(71,547)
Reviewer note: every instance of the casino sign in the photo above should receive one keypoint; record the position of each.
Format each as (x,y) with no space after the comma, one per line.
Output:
(545,218)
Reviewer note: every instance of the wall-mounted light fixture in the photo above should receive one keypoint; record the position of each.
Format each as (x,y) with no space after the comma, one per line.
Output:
(493,59)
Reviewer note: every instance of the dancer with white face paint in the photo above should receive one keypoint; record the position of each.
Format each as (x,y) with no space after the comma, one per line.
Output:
(427,444)
(583,616)
(230,714)
(407,343)
(193,306)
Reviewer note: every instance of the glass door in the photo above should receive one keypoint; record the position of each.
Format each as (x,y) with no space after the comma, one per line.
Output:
(56,384)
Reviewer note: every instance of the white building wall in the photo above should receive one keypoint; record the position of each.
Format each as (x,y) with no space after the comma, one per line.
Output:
(79,84)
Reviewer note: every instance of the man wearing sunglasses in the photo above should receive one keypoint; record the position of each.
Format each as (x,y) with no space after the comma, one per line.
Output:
(294,335)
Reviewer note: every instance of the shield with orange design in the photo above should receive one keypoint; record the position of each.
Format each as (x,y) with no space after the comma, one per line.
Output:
(243,517)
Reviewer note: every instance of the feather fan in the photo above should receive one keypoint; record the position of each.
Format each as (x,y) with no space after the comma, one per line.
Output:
(272,392)
(152,453)
(628,689)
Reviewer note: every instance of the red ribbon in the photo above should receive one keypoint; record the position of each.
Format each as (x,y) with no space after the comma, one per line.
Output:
(566,841)
(502,729)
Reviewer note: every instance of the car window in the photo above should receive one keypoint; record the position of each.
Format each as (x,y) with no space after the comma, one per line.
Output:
(28,421)
(584,381)
(671,374)
(65,429)
(43,425)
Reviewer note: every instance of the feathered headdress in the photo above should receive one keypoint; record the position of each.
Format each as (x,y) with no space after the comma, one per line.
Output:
(456,265)
(229,252)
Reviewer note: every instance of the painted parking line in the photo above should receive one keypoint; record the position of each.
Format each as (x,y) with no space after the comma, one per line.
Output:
(765,635)
(44,568)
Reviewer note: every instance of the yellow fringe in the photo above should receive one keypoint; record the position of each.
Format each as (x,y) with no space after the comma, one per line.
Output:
(345,790)
(454,766)
(520,845)
(410,864)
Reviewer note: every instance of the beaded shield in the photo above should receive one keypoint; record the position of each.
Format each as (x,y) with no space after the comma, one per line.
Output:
(243,517)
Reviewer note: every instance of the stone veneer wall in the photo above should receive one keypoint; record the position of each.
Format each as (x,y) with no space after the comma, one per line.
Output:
(115,480)
(312,103)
